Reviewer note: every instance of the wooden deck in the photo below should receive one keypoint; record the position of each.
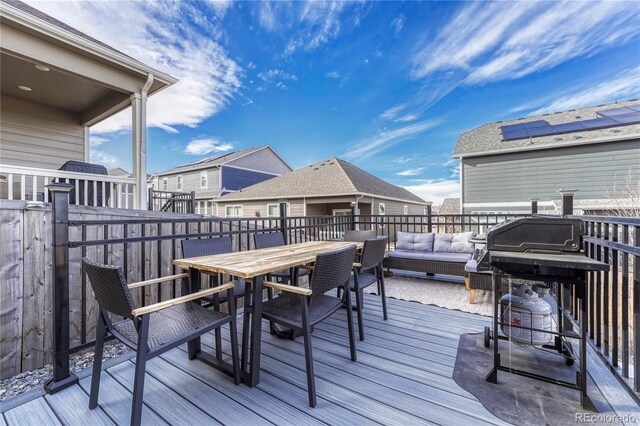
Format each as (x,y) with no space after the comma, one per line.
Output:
(403,376)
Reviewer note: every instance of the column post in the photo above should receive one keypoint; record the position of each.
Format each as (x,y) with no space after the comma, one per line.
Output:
(567,201)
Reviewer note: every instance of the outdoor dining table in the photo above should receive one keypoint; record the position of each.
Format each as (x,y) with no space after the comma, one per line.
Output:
(254,265)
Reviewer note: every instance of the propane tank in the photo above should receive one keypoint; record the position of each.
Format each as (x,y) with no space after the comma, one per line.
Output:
(524,308)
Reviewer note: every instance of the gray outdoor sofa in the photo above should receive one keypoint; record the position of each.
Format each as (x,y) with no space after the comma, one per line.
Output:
(444,254)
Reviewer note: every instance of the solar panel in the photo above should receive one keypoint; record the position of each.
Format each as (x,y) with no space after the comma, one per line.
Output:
(618,111)
(511,134)
(634,107)
(534,124)
(630,118)
(574,126)
(540,131)
(598,123)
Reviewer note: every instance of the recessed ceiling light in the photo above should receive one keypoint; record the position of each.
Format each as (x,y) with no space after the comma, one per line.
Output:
(41,67)
(25,88)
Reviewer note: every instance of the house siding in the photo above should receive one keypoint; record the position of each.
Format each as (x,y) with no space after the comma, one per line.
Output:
(259,208)
(33,135)
(264,160)
(517,177)
(191,182)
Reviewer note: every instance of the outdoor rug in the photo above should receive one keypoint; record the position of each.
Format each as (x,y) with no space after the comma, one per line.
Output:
(439,290)
(516,399)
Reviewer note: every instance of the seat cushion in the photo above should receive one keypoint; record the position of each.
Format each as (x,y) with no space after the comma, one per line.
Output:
(287,308)
(453,243)
(441,257)
(171,323)
(415,241)
(472,267)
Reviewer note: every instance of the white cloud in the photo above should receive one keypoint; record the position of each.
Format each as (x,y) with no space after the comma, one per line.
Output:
(402,160)
(333,74)
(411,172)
(397,23)
(508,40)
(98,140)
(387,138)
(204,146)
(436,190)
(625,86)
(392,113)
(174,37)
(308,25)
(101,157)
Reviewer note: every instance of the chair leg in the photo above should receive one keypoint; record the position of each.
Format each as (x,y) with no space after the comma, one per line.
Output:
(97,363)
(352,337)
(233,334)
(359,296)
(383,295)
(308,352)
(472,296)
(141,361)
(466,283)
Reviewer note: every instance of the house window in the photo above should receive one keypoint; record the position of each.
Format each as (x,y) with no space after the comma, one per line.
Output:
(405,210)
(203,179)
(179,183)
(165,184)
(210,208)
(233,211)
(273,210)
(381,209)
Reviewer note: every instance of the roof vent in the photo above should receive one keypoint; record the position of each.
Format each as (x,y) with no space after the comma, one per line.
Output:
(577,137)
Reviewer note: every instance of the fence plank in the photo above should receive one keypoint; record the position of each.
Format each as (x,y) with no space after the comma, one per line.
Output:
(36,234)
(11,277)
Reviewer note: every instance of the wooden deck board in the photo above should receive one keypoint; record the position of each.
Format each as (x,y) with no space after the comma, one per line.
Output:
(403,376)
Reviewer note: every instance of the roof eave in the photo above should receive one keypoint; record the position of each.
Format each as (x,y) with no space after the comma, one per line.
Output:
(548,146)
(350,194)
(45,28)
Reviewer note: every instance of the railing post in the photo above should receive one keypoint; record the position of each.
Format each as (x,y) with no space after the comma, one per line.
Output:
(150,200)
(192,203)
(534,205)
(283,219)
(429,217)
(354,207)
(60,257)
(567,201)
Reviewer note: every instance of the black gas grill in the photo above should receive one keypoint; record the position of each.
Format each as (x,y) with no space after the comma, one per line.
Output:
(547,249)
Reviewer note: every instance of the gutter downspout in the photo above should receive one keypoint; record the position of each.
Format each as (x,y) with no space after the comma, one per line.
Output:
(139,134)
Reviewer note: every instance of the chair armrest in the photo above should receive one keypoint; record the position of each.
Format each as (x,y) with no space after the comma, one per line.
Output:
(288,288)
(157,280)
(182,299)
(307,267)
(357,265)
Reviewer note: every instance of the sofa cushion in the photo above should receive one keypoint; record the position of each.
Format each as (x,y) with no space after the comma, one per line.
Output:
(423,242)
(405,241)
(460,243)
(421,255)
(472,267)
(442,243)
(415,241)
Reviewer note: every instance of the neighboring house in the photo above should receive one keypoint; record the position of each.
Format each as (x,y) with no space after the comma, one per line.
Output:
(216,176)
(595,150)
(57,82)
(325,188)
(126,192)
(450,206)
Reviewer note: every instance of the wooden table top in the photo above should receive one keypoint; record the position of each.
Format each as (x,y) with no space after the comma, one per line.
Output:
(251,263)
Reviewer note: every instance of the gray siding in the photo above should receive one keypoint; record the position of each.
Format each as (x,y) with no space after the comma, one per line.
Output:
(263,160)
(517,177)
(34,135)
(191,182)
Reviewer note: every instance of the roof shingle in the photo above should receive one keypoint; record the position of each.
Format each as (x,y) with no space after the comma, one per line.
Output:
(331,177)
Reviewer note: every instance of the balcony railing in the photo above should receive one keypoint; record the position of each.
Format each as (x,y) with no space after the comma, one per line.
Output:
(29,184)
(174,202)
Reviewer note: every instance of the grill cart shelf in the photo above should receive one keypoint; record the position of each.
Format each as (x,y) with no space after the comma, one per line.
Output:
(547,250)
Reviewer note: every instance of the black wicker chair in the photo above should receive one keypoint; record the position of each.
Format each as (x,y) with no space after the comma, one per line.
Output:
(211,246)
(276,239)
(358,235)
(367,272)
(301,308)
(154,329)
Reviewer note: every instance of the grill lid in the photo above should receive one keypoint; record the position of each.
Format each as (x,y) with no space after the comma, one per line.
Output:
(540,234)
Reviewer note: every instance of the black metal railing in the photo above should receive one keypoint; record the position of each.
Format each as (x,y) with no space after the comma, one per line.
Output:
(174,202)
(614,296)
(145,249)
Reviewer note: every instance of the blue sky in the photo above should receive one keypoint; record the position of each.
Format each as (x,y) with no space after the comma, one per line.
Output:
(388,86)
